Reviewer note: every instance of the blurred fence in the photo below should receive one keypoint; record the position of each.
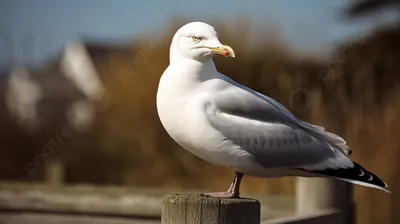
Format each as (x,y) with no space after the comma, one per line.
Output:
(318,200)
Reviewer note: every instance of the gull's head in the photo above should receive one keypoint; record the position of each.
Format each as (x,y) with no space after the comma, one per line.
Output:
(198,41)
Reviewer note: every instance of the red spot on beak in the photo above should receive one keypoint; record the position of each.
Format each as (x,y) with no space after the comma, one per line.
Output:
(226,54)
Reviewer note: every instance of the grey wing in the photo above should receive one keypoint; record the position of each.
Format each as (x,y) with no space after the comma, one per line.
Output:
(314,129)
(253,105)
(272,137)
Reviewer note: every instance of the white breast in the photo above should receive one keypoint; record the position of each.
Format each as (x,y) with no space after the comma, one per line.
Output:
(181,117)
(182,113)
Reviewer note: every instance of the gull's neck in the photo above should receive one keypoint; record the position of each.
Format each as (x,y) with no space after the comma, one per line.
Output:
(182,78)
(200,71)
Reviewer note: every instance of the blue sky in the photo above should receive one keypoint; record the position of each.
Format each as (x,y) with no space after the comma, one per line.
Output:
(49,24)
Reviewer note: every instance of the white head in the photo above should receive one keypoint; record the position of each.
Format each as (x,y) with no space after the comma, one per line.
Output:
(198,41)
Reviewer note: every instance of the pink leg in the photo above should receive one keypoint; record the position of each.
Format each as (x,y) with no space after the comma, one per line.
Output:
(233,191)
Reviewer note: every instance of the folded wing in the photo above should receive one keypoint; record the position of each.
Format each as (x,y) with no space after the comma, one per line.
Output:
(273,134)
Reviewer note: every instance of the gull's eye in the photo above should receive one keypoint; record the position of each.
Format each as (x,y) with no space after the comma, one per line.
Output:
(195,39)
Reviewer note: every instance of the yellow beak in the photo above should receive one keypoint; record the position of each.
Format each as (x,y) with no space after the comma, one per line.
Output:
(224,50)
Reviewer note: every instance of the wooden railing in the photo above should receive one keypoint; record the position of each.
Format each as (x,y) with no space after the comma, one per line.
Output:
(317,201)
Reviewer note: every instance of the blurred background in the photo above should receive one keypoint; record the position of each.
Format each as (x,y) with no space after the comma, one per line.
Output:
(78,81)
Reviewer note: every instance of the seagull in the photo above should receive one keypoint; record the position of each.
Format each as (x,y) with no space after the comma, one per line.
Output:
(231,125)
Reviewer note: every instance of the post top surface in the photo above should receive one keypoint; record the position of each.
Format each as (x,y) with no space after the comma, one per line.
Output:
(197,197)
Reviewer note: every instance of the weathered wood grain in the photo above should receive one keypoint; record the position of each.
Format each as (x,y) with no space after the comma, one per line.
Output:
(196,209)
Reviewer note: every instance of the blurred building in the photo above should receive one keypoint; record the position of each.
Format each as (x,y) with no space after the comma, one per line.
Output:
(61,90)
(37,103)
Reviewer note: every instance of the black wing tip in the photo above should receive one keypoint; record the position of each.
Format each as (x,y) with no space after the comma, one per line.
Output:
(375,179)
(356,175)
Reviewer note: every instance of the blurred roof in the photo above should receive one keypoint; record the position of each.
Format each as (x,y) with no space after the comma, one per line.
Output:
(103,50)
(69,82)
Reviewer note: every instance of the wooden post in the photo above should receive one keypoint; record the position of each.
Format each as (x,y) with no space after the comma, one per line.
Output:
(54,171)
(316,194)
(196,209)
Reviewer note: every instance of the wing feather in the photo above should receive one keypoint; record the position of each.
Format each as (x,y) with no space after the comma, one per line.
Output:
(260,103)
(272,144)
(273,135)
